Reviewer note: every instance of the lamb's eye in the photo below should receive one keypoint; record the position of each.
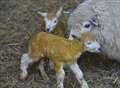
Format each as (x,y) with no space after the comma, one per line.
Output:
(87,26)
(55,21)
(93,20)
(89,43)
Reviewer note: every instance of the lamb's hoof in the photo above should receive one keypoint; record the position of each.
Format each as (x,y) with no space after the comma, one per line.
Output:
(23,76)
(84,84)
(51,65)
(60,86)
(45,77)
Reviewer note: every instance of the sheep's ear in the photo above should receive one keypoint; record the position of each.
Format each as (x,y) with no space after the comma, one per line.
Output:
(59,12)
(94,20)
(44,14)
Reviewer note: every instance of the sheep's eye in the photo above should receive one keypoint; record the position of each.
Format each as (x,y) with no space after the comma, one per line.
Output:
(87,26)
(93,20)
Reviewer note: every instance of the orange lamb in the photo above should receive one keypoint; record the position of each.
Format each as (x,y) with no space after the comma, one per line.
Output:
(61,51)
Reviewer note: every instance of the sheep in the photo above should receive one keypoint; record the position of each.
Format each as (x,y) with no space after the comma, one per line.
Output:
(53,22)
(61,51)
(107,32)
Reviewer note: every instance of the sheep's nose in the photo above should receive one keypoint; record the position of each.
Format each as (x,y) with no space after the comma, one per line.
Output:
(99,50)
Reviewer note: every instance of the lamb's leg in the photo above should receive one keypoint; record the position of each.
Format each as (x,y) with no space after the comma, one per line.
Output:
(51,65)
(79,75)
(37,55)
(70,36)
(25,61)
(42,70)
(60,75)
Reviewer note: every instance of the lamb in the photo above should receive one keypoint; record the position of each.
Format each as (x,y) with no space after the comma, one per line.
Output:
(108,31)
(61,51)
(53,22)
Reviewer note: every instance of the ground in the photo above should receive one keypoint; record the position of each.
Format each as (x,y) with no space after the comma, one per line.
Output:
(18,22)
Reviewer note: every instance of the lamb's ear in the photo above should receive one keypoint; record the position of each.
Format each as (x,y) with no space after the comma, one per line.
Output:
(94,20)
(59,12)
(44,14)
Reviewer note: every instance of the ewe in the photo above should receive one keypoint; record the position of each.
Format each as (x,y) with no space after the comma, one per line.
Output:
(108,31)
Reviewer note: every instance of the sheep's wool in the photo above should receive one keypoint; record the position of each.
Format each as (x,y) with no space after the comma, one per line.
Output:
(108,32)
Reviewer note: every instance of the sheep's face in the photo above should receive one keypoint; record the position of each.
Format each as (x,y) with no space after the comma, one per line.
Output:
(90,42)
(51,19)
(89,24)
(85,26)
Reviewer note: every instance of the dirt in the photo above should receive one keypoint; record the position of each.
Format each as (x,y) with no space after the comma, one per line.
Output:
(18,22)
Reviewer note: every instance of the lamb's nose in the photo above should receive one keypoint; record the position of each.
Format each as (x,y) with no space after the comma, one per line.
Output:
(48,29)
(100,50)
(44,31)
